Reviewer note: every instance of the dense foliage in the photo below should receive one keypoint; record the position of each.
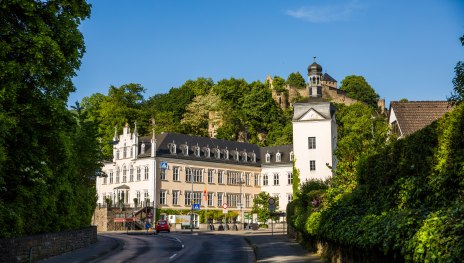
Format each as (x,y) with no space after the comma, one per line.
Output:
(403,198)
(296,80)
(356,87)
(458,94)
(49,156)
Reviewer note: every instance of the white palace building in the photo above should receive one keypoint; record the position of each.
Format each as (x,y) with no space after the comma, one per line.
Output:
(174,171)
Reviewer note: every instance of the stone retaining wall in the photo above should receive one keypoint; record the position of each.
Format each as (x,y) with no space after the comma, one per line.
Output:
(37,247)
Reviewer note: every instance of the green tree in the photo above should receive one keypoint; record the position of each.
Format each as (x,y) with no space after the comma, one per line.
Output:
(261,206)
(122,105)
(296,80)
(278,84)
(357,88)
(40,50)
(458,82)
(197,112)
(200,86)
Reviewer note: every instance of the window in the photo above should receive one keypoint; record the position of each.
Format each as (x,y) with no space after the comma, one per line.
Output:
(210,199)
(253,157)
(146,173)
(290,178)
(233,200)
(233,178)
(163,174)
(256,179)
(139,201)
(221,177)
(185,150)
(247,200)
(104,179)
(172,148)
(312,165)
(117,154)
(124,151)
(219,199)
(124,171)
(311,142)
(194,198)
(247,178)
(117,175)
(211,176)
(226,154)
(162,197)
(265,179)
(175,197)
(138,174)
(268,158)
(207,152)
(276,179)
(291,156)
(236,155)
(278,157)
(175,173)
(244,157)
(131,174)
(217,153)
(197,151)
(194,174)
(289,198)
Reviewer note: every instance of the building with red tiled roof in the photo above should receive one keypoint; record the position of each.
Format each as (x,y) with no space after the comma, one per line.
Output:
(410,116)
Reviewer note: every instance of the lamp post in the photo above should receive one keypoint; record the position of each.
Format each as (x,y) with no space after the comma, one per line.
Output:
(191,201)
(241,203)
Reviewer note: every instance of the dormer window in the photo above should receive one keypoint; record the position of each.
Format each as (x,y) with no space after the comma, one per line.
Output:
(185,150)
(268,158)
(236,155)
(207,152)
(244,156)
(143,148)
(291,156)
(217,153)
(226,154)
(278,157)
(173,148)
(197,151)
(253,157)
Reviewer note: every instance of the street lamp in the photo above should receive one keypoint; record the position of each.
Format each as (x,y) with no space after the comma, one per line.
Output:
(191,201)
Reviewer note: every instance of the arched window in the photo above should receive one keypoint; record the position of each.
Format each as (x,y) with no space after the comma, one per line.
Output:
(291,156)
(278,157)
(117,175)
(131,174)
(207,152)
(172,148)
(268,158)
(253,157)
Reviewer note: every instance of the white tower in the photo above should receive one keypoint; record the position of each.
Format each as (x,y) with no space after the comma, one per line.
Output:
(314,138)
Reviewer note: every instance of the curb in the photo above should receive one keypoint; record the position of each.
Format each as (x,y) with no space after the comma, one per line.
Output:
(254,247)
(118,244)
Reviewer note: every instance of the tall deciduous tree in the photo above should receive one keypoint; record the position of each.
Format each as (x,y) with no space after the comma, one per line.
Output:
(196,117)
(458,94)
(296,80)
(357,88)
(40,179)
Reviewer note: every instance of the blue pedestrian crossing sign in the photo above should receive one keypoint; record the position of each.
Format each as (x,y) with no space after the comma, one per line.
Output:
(164,165)
(196,206)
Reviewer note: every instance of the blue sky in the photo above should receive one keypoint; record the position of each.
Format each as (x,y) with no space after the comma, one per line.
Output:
(404,49)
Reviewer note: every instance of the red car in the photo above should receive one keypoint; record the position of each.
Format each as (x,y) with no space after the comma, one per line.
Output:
(162,225)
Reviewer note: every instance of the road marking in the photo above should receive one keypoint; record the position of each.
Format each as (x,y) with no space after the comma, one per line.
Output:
(171,257)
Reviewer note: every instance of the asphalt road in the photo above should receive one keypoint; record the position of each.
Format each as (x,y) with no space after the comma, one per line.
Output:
(179,247)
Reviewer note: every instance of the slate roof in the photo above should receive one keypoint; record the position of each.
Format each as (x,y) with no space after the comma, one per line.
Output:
(414,115)
(284,151)
(327,77)
(320,105)
(164,140)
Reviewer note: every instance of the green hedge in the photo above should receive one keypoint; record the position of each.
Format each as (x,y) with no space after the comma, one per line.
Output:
(408,200)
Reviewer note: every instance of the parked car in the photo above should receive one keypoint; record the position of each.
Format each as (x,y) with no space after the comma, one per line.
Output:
(162,225)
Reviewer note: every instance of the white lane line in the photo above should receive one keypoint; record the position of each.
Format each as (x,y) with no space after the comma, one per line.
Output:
(171,257)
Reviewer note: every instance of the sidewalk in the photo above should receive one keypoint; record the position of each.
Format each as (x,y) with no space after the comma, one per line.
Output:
(267,246)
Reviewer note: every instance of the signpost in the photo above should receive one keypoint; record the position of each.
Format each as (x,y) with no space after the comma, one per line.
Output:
(271,203)
(164,165)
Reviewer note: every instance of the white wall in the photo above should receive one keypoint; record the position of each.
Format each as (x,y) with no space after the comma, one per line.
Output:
(283,189)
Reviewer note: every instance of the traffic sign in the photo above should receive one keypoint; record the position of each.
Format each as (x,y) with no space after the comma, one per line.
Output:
(225,206)
(271,201)
(196,206)
(164,165)
(224,211)
(272,207)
